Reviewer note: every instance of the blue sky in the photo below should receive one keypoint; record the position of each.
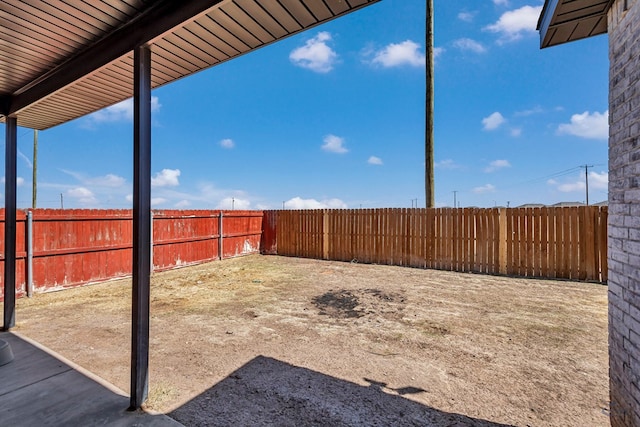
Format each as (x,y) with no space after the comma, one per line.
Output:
(334,117)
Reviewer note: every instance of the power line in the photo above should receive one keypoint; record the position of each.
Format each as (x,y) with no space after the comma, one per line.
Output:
(552,175)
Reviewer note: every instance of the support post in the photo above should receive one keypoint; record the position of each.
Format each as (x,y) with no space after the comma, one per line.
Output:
(141,226)
(10,174)
(30,254)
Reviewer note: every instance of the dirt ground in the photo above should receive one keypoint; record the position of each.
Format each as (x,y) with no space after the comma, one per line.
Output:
(267,340)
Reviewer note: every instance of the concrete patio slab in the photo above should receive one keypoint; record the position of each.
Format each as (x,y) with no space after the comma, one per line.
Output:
(41,388)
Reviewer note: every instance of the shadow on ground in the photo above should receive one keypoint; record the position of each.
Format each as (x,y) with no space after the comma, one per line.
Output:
(268,392)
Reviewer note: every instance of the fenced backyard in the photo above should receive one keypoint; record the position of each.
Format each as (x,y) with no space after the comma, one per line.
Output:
(412,345)
(65,248)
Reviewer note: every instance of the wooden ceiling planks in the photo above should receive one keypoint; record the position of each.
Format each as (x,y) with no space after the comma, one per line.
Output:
(38,37)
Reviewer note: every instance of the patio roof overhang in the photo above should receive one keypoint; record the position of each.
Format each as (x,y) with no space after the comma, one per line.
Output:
(563,21)
(62,60)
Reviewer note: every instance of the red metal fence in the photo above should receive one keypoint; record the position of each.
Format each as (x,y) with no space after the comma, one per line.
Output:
(567,243)
(74,247)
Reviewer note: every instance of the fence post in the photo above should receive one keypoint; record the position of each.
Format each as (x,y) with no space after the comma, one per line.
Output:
(220,245)
(325,234)
(29,253)
(151,242)
(502,240)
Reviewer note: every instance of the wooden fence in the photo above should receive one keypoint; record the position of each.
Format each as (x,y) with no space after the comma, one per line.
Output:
(65,248)
(567,243)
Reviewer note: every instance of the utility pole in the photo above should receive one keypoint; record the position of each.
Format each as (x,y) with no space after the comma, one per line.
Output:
(34,190)
(61,201)
(586,182)
(455,192)
(429,107)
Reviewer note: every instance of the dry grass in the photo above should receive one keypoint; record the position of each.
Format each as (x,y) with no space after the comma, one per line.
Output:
(523,352)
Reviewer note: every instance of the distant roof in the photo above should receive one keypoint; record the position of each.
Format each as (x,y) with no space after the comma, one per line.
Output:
(60,60)
(532,205)
(562,21)
(566,204)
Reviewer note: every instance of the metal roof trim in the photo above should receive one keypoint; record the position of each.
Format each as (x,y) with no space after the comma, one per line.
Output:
(548,22)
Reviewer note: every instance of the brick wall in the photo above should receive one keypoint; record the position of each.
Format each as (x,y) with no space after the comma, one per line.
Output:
(624,212)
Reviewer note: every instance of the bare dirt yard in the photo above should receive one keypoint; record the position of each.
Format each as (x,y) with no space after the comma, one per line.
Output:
(267,340)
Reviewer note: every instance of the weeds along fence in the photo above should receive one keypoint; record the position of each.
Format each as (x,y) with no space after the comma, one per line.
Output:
(65,248)
(553,242)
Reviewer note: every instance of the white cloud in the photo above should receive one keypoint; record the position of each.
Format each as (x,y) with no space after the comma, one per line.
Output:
(494,121)
(299,203)
(447,164)
(587,125)
(399,54)
(166,178)
(597,181)
(496,165)
(469,45)
(334,144)
(109,180)
(227,143)
(234,203)
(466,16)
(513,24)
(515,132)
(488,188)
(501,2)
(122,111)
(205,196)
(530,112)
(315,55)
(570,187)
(373,160)
(155,201)
(82,195)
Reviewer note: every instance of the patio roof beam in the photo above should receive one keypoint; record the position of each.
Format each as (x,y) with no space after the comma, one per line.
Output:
(156,20)
(141,269)
(11,144)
